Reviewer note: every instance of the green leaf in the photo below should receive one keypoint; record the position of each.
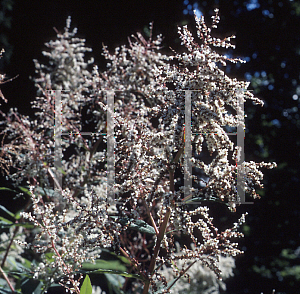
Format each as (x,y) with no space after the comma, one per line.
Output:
(135,224)
(7,211)
(5,291)
(49,256)
(17,215)
(4,223)
(115,283)
(25,266)
(61,170)
(31,286)
(122,258)
(116,272)
(86,287)
(16,266)
(7,189)
(104,264)
(25,190)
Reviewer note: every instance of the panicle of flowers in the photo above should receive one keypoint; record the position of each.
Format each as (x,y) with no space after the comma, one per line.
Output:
(200,278)
(75,220)
(68,69)
(74,235)
(213,92)
(72,223)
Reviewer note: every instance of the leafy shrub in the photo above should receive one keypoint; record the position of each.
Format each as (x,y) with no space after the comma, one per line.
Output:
(75,220)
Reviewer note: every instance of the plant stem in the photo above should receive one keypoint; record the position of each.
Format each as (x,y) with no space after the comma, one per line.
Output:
(132,260)
(160,237)
(181,274)
(77,290)
(7,280)
(9,245)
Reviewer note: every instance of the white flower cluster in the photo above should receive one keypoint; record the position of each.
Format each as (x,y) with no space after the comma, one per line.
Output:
(200,278)
(75,222)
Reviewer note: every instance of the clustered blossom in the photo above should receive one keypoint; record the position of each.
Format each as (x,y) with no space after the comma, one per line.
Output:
(76,221)
(199,278)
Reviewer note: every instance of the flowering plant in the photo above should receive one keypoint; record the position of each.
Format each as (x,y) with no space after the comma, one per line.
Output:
(146,214)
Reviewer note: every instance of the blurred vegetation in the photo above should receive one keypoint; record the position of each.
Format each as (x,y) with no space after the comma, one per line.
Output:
(5,25)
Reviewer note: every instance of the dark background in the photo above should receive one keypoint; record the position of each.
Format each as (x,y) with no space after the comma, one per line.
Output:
(267,37)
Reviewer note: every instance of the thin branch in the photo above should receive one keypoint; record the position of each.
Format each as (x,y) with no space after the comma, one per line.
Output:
(132,260)
(160,237)
(151,217)
(9,246)
(181,274)
(7,280)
